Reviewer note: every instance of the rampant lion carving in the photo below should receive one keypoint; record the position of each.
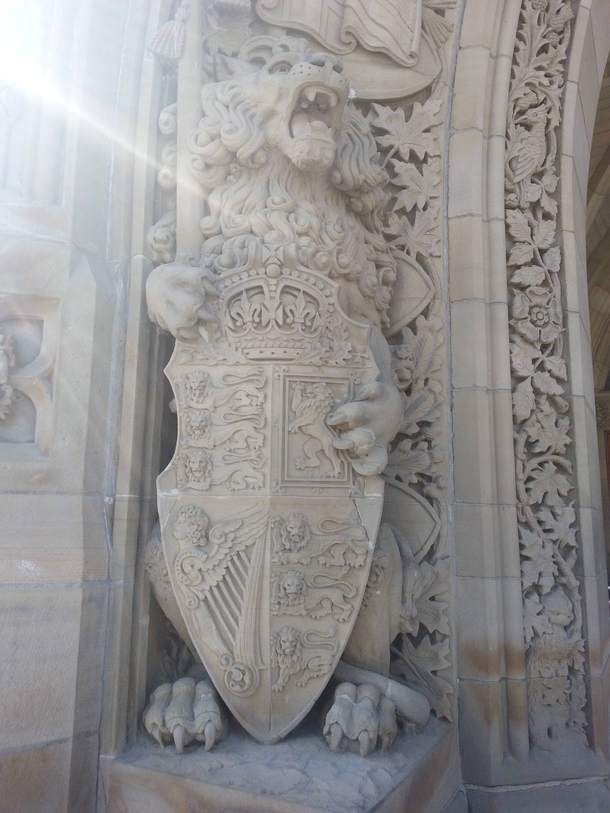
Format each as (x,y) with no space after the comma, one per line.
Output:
(311,403)
(292,181)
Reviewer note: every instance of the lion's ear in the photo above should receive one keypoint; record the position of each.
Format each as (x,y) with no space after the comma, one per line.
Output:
(221,67)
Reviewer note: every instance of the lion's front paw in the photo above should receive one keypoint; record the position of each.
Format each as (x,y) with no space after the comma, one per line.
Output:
(184,712)
(360,719)
(176,294)
(366,426)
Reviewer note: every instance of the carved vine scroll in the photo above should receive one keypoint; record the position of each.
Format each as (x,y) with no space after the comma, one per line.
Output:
(542,424)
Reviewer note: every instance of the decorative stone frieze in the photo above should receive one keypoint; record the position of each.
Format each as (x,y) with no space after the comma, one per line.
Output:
(547,520)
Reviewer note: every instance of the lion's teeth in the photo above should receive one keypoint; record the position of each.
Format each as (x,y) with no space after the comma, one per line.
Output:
(332,100)
(311,94)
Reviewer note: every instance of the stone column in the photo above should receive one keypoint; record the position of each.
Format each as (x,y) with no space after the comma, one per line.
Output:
(64,216)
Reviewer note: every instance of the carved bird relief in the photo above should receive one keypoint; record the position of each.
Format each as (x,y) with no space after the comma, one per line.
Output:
(528,150)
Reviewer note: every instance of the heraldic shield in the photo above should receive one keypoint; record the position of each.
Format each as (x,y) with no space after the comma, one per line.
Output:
(268,531)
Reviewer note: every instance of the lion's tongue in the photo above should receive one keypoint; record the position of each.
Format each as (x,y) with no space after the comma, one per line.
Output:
(300,123)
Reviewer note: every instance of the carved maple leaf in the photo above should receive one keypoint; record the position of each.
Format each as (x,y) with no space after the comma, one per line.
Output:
(419,663)
(409,136)
(423,346)
(418,187)
(535,621)
(546,430)
(546,485)
(538,566)
(411,459)
(557,522)
(429,610)
(418,238)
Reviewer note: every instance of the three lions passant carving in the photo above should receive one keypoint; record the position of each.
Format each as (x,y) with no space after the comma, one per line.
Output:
(292,180)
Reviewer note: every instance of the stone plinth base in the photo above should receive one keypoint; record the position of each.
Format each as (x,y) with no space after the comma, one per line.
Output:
(420,774)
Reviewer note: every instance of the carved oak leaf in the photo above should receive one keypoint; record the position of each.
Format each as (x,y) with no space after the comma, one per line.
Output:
(418,187)
(535,621)
(538,567)
(546,430)
(546,485)
(409,136)
(524,400)
(421,237)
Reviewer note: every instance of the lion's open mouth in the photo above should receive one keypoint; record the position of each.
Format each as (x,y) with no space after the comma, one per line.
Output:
(315,111)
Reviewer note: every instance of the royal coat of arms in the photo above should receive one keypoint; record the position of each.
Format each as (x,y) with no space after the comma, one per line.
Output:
(267,528)
(285,396)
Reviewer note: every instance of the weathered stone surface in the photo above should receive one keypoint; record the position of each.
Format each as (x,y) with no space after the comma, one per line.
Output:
(299,775)
(281,193)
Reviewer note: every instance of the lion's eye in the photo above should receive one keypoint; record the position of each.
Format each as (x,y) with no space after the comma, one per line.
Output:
(281,67)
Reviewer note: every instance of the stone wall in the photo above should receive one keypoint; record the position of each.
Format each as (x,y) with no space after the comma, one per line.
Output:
(83,405)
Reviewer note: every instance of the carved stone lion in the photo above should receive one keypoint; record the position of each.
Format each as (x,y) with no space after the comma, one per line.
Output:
(292,178)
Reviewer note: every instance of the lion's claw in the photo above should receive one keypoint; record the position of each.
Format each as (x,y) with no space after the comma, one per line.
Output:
(360,719)
(366,426)
(184,712)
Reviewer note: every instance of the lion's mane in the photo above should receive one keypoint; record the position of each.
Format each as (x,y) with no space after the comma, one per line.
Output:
(257,200)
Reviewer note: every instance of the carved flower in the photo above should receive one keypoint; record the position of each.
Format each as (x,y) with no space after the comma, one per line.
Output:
(539,5)
(537,315)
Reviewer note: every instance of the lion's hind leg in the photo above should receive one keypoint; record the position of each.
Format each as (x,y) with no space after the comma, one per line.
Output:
(311,447)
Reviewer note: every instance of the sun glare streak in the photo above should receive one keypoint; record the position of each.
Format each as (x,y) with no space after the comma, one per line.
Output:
(22,53)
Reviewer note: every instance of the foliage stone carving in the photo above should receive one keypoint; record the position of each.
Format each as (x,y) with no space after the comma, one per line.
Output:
(410,144)
(542,426)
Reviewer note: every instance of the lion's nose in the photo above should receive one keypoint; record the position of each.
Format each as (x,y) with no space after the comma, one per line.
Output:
(326,61)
